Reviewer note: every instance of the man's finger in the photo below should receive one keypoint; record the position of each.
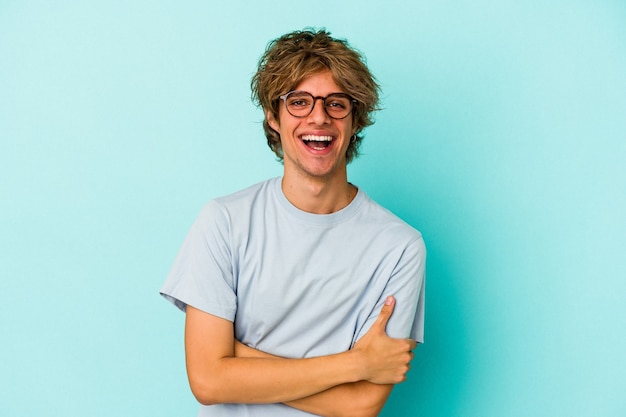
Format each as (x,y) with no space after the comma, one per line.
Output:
(385,312)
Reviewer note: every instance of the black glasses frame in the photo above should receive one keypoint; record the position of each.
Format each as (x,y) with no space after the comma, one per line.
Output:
(315,98)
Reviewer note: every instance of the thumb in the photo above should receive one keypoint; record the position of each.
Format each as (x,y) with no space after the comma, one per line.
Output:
(385,313)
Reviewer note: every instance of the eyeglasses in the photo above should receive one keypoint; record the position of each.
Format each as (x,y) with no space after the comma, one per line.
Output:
(301,104)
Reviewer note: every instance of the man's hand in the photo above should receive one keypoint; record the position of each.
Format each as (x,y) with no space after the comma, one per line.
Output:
(386,359)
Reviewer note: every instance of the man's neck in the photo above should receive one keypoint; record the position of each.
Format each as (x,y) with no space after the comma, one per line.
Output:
(318,196)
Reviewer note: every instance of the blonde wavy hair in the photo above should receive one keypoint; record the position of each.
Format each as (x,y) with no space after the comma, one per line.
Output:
(292,57)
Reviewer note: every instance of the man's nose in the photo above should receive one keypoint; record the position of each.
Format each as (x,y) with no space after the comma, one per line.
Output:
(318,115)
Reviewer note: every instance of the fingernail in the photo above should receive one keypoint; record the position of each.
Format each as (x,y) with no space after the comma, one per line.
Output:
(389,301)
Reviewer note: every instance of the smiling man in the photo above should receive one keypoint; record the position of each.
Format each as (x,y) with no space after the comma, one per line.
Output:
(302,295)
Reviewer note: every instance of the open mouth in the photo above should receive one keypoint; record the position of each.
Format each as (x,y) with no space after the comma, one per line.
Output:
(317,142)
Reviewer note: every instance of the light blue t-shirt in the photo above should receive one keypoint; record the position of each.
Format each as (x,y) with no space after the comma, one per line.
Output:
(297,284)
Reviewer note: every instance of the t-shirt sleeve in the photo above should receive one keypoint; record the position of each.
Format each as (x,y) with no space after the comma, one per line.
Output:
(202,274)
(406,284)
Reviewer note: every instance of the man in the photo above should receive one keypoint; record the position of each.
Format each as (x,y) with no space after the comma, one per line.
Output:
(289,285)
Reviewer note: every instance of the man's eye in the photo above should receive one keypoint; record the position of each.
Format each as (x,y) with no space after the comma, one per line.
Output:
(337,104)
(299,102)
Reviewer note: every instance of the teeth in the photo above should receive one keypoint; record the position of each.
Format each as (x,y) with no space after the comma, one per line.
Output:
(317,138)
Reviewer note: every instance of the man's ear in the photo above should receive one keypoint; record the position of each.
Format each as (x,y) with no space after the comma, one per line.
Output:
(272,121)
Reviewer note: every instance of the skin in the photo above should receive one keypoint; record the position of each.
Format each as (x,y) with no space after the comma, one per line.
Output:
(362,398)
(354,383)
(315,181)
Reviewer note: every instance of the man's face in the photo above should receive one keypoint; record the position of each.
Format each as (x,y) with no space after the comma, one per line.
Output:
(314,145)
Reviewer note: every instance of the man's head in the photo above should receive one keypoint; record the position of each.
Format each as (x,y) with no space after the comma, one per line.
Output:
(297,55)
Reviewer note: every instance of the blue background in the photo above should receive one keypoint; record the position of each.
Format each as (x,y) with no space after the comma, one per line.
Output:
(502,139)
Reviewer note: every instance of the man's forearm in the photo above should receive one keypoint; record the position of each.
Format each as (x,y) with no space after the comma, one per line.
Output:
(217,375)
(358,399)
(222,370)
(271,380)
(280,380)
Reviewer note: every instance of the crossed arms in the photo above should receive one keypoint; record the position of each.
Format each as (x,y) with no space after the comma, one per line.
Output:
(352,383)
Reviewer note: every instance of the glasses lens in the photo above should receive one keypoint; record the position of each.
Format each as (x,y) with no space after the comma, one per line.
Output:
(299,103)
(338,105)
